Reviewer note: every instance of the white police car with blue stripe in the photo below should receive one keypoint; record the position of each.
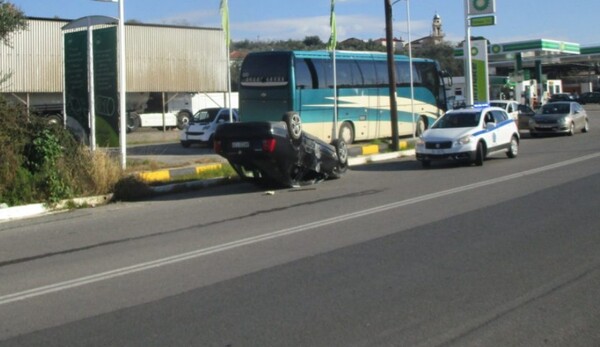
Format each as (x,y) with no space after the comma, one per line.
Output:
(469,135)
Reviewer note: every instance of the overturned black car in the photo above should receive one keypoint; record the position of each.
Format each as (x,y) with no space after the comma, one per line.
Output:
(280,153)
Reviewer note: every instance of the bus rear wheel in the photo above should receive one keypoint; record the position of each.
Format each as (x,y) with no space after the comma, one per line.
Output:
(420,127)
(346,133)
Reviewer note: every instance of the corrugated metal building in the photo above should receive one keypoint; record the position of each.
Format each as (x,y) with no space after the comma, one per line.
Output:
(159,58)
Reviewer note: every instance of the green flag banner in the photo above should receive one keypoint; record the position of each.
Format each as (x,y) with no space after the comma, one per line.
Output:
(333,38)
(225,20)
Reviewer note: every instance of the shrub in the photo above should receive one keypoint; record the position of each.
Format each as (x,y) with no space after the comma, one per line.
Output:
(42,162)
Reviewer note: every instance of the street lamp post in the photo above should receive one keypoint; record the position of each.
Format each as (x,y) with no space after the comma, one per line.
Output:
(122,82)
(410,67)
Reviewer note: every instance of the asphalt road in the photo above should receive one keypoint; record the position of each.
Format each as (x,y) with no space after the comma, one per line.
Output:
(389,255)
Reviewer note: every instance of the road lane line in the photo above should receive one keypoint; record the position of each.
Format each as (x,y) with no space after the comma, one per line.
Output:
(78,282)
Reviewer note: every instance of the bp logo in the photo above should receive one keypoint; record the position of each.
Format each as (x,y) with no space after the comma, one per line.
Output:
(474,51)
(496,49)
(481,5)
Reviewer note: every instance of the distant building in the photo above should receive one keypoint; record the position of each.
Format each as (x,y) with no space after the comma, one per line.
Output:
(435,38)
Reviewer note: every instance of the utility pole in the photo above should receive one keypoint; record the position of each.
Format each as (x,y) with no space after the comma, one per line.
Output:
(389,38)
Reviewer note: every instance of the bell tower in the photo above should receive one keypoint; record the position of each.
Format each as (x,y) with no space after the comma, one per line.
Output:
(437,34)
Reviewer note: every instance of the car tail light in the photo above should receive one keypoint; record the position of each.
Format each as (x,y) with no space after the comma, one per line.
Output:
(268,145)
(217,146)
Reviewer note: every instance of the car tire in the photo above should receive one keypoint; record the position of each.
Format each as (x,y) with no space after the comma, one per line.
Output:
(571,129)
(346,133)
(294,125)
(586,127)
(341,150)
(185,144)
(183,119)
(479,154)
(513,150)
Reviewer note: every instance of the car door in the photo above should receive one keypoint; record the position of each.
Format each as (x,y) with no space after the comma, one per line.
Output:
(504,131)
(490,135)
(578,115)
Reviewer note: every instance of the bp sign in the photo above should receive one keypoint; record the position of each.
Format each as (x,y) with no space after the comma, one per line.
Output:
(481,7)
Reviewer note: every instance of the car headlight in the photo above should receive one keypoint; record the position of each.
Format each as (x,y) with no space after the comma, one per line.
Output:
(464,140)
(564,120)
(206,127)
(420,141)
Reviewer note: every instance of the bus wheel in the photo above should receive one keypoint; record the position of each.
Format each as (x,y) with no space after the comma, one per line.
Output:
(421,127)
(346,133)
(294,125)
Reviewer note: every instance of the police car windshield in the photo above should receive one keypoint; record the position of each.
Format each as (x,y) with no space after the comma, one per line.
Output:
(458,120)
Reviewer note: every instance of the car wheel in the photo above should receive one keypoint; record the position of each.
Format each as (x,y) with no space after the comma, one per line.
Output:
(183,119)
(479,154)
(346,133)
(586,127)
(513,151)
(571,129)
(185,144)
(294,125)
(341,149)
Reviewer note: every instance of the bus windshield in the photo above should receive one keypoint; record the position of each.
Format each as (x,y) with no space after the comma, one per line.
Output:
(265,70)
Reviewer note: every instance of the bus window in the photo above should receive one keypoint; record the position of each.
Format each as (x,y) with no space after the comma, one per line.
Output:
(348,74)
(304,79)
(368,72)
(324,73)
(381,69)
(257,71)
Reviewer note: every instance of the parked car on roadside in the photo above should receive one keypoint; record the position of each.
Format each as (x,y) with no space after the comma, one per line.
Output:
(510,106)
(589,98)
(561,117)
(561,97)
(469,135)
(280,153)
(203,124)
(525,114)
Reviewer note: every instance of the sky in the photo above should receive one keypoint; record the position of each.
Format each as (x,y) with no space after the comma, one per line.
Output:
(573,21)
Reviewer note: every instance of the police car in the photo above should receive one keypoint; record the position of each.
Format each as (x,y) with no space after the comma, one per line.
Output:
(469,135)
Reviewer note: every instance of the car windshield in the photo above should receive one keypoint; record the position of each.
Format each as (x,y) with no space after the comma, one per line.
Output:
(556,108)
(206,116)
(458,120)
(498,104)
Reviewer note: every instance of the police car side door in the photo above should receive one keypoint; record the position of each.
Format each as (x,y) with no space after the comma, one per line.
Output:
(503,131)
(489,129)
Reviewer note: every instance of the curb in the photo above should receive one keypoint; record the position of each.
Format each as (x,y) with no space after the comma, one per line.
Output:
(358,156)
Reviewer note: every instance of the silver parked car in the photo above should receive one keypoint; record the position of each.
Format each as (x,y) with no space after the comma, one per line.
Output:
(562,117)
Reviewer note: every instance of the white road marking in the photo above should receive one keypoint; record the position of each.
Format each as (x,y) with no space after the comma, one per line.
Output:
(78,282)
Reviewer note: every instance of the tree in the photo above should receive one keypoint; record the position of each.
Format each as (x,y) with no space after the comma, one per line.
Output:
(11,19)
(444,54)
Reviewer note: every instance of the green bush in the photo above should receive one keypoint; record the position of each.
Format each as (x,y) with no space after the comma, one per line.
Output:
(42,162)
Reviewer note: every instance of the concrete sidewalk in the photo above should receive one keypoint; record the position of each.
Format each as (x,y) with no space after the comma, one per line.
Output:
(359,155)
